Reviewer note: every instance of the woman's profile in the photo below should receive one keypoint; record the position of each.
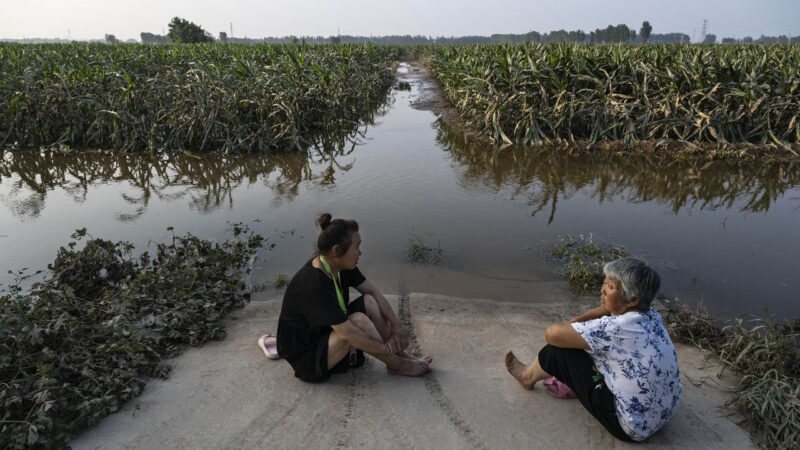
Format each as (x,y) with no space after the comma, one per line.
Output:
(319,328)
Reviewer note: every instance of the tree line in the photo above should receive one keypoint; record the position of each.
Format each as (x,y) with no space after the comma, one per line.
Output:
(183,31)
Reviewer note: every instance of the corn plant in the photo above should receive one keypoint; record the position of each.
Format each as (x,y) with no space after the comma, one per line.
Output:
(205,97)
(538,93)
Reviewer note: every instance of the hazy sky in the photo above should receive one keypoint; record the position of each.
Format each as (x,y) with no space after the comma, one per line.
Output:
(92,19)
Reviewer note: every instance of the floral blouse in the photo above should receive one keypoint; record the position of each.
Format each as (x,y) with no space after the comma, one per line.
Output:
(636,357)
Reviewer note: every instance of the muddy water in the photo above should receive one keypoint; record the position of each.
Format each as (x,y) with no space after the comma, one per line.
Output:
(721,233)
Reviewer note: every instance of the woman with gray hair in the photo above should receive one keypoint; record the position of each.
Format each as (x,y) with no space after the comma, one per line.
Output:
(617,358)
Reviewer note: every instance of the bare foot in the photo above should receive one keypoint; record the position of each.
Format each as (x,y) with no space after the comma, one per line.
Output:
(404,355)
(517,370)
(408,367)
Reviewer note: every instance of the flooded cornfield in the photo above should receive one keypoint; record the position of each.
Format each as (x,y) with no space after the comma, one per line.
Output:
(722,233)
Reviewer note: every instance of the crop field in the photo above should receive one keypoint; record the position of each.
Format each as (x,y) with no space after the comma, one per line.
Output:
(205,97)
(536,93)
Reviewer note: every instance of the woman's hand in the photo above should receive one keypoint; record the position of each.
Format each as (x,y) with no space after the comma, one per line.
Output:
(398,338)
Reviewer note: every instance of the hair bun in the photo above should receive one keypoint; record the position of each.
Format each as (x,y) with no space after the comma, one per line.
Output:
(324,220)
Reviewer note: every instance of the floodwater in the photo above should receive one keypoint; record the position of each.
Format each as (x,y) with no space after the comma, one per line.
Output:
(721,233)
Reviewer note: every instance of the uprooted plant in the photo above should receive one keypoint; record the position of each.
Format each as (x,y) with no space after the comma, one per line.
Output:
(79,343)
(767,354)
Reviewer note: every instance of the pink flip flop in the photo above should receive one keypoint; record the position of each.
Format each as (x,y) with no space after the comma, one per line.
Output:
(558,389)
(268,344)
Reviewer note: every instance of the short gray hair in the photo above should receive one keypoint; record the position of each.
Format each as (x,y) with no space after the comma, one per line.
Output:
(637,280)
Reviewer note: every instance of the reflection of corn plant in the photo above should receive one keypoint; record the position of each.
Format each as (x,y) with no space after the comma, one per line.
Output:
(201,97)
(532,93)
(420,252)
(583,259)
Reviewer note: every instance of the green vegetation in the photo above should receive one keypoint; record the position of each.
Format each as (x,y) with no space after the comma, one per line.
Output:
(582,260)
(691,94)
(766,354)
(420,252)
(203,97)
(78,344)
(281,280)
(403,86)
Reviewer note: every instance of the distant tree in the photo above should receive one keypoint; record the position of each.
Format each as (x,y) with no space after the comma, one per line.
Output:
(111,39)
(728,40)
(710,39)
(182,31)
(633,35)
(645,31)
(147,38)
(223,36)
(335,40)
(747,40)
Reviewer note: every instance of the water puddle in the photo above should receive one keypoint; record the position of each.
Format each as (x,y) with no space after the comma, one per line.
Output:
(722,233)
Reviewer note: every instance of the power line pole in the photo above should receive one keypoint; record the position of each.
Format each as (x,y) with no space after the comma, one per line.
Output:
(231,29)
(705,28)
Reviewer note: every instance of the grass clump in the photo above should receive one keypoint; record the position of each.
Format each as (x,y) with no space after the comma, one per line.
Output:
(767,354)
(403,86)
(280,280)
(582,260)
(420,252)
(79,343)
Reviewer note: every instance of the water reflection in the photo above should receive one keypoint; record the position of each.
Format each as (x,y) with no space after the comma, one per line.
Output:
(542,176)
(204,181)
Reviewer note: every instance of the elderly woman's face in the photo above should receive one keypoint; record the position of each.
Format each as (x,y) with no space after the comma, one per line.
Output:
(611,296)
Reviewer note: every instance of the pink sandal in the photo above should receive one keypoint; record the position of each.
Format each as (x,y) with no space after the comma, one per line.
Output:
(269,345)
(558,389)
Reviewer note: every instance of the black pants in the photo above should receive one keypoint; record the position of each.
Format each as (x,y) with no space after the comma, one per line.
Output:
(576,369)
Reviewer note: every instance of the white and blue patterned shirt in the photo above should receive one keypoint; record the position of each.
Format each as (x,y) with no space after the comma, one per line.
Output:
(636,357)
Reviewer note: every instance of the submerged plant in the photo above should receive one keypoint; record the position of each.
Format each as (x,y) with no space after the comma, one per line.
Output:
(281,280)
(420,252)
(582,260)
(80,343)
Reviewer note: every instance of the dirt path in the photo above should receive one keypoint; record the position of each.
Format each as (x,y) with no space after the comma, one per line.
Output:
(227,395)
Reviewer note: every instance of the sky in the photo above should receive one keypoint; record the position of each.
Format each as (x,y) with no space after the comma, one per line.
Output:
(93,19)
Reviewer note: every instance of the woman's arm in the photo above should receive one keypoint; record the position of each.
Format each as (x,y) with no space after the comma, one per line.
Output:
(359,339)
(564,335)
(386,310)
(592,314)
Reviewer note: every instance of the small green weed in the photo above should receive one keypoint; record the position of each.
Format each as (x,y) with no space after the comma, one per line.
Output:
(281,280)
(403,86)
(582,260)
(420,252)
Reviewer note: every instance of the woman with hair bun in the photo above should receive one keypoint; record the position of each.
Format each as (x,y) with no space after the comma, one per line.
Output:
(320,331)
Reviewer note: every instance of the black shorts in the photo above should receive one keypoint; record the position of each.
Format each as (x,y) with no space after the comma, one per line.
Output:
(313,365)
(576,369)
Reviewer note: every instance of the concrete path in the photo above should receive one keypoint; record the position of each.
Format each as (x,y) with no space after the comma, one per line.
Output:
(228,395)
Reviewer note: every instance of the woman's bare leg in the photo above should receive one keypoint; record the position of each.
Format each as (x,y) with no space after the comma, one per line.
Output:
(527,376)
(384,327)
(338,349)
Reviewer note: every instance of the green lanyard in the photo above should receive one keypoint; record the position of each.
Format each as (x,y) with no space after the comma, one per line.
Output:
(330,272)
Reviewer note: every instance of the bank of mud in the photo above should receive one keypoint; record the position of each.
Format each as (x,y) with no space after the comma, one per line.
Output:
(228,395)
